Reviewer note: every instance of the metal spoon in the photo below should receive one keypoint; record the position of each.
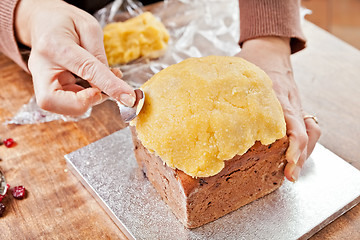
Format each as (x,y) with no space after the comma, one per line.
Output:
(129,113)
(3,185)
(126,113)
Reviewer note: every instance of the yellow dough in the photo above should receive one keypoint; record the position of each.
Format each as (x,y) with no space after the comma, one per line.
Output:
(203,111)
(141,36)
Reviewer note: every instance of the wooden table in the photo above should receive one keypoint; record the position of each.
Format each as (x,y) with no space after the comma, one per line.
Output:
(59,207)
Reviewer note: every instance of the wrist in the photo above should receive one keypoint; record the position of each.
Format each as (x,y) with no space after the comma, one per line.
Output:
(23,12)
(279,45)
(272,54)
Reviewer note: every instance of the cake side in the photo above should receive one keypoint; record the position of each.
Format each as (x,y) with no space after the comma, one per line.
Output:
(197,201)
(162,177)
(244,179)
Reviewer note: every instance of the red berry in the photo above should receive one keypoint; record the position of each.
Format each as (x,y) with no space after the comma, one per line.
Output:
(2,197)
(2,209)
(9,142)
(18,192)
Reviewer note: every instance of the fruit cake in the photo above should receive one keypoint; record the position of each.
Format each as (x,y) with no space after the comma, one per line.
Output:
(211,137)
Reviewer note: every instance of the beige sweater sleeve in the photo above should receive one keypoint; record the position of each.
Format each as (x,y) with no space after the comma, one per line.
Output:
(8,44)
(271,18)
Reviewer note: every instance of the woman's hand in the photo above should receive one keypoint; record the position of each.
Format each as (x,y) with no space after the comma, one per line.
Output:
(66,41)
(272,54)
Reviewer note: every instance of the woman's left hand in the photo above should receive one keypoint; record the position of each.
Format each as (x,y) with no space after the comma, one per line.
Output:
(272,54)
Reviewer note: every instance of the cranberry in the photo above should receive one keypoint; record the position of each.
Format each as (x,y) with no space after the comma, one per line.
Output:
(9,142)
(2,209)
(18,192)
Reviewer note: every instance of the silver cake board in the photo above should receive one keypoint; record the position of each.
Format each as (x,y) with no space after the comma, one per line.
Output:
(327,188)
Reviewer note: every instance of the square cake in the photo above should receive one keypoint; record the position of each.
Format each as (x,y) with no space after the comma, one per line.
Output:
(211,137)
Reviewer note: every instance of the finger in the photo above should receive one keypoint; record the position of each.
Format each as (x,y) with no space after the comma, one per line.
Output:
(72,88)
(94,41)
(117,72)
(70,101)
(314,132)
(51,96)
(73,103)
(77,88)
(288,171)
(66,78)
(302,159)
(297,137)
(292,170)
(83,64)
(70,83)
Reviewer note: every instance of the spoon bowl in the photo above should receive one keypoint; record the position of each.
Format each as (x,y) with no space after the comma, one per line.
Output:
(3,185)
(129,113)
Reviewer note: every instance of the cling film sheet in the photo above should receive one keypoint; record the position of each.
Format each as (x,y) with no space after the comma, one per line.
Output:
(197,28)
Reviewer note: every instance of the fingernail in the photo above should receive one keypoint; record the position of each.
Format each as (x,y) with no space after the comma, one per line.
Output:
(97,99)
(127,100)
(102,98)
(296,173)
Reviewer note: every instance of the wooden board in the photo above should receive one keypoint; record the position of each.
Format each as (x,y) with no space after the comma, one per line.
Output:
(327,188)
(58,207)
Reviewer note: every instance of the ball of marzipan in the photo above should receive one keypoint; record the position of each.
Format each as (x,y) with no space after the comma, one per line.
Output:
(142,36)
(203,111)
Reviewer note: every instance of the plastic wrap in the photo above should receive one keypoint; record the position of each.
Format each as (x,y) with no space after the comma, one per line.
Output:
(31,113)
(197,28)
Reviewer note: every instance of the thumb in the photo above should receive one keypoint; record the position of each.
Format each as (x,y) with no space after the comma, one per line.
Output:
(80,62)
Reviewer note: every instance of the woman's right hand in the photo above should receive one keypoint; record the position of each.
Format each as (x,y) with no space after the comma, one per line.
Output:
(66,41)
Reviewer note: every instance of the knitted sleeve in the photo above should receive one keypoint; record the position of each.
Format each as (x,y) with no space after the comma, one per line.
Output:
(281,18)
(8,44)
